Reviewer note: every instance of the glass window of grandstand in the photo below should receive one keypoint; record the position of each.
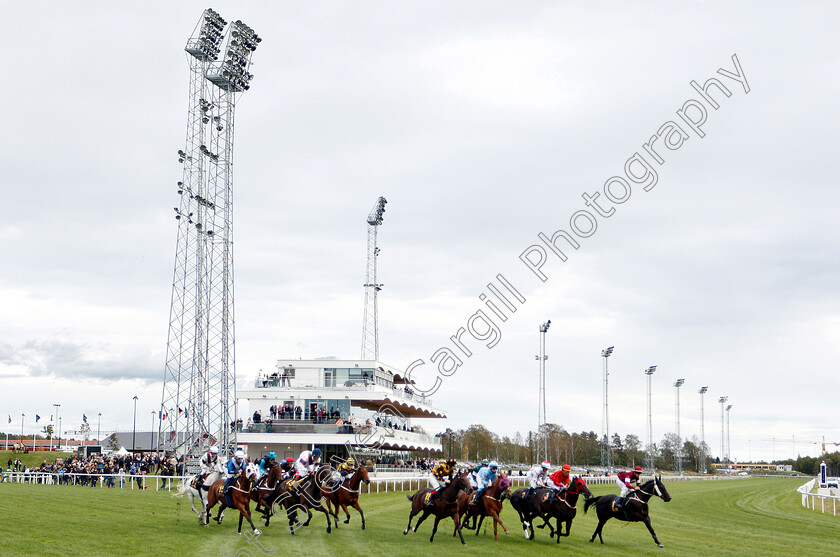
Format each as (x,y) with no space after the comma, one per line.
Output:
(327,411)
(347,377)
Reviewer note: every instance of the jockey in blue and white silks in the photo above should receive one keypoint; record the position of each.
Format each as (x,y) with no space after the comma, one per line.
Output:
(234,466)
(487,475)
(307,462)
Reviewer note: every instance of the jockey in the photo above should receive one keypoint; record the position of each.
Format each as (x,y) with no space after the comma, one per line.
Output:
(488,475)
(560,479)
(234,466)
(625,480)
(307,462)
(537,476)
(208,461)
(473,475)
(441,476)
(267,463)
(288,467)
(345,470)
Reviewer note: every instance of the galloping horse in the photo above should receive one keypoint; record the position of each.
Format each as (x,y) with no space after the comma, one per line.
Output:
(238,495)
(445,504)
(267,492)
(562,506)
(490,504)
(194,491)
(304,493)
(346,495)
(634,508)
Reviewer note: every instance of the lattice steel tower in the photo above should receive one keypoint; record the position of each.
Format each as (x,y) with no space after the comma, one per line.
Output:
(370,323)
(542,429)
(606,445)
(650,459)
(199,387)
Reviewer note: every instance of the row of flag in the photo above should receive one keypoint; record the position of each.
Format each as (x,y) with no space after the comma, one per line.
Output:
(161,415)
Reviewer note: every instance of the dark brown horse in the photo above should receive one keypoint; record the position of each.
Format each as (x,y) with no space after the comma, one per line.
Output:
(239,494)
(304,494)
(632,509)
(562,506)
(346,495)
(489,504)
(267,492)
(444,505)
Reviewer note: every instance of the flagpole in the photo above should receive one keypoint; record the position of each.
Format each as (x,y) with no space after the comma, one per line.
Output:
(22,440)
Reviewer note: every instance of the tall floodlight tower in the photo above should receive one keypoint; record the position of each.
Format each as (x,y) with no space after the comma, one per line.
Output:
(541,419)
(370,324)
(722,400)
(728,439)
(606,449)
(199,389)
(649,459)
(678,452)
(701,468)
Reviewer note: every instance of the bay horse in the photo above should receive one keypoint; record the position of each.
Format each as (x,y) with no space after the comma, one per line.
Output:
(304,494)
(266,492)
(239,495)
(346,495)
(490,505)
(445,504)
(633,509)
(562,506)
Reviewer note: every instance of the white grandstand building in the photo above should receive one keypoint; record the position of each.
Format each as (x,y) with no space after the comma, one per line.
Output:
(360,407)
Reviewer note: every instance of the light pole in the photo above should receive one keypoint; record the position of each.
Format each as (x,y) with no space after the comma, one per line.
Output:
(99,428)
(728,439)
(152,432)
(650,457)
(606,449)
(542,419)
(678,454)
(449,435)
(722,401)
(701,466)
(57,406)
(134,427)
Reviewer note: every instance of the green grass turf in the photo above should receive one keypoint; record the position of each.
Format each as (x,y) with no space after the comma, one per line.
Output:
(33,459)
(733,517)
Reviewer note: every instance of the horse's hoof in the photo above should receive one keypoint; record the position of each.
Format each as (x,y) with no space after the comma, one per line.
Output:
(363,525)
(257,532)
(347,521)
(660,545)
(507,533)
(551,534)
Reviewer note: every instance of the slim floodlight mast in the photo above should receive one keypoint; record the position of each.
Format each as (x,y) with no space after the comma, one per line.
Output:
(678,452)
(606,447)
(728,439)
(370,322)
(541,419)
(649,459)
(701,468)
(199,392)
(722,400)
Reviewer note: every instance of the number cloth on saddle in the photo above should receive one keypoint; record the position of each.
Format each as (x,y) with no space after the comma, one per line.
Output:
(618,504)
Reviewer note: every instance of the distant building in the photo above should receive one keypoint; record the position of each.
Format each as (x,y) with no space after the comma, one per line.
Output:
(339,406)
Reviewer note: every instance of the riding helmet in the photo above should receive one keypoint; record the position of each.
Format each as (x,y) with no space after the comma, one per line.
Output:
(316,452)
(637,469)
(272,455)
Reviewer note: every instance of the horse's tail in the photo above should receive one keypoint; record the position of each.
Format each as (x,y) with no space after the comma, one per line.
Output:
(410,497)
(182,490)
(590,501)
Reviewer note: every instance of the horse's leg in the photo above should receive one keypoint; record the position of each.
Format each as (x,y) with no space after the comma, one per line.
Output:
(422,518)
(245,512)
(434,528)
(346,512)
(601,522)
(220,516)
(568,527)
(458,526)
(239,528)
(652,533)
(410,516)
(497,518)
(361,513)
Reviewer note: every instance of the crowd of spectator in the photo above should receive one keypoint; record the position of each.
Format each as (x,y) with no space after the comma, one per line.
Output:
(112,470)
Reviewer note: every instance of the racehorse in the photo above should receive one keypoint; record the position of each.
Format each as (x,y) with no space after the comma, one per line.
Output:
(445,504)
(17,447)
(239,495)
(304,493)
(266,493)
(560,505)
(633,509)
(194,491)
(346,495)
(489,505)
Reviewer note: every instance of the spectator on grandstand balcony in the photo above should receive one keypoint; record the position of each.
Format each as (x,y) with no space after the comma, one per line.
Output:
(298,412)
(257,417)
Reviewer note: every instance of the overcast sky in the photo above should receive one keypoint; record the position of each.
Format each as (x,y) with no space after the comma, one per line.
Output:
(483,124)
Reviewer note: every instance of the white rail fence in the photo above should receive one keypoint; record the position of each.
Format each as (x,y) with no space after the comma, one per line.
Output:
(809,499)
(377,485)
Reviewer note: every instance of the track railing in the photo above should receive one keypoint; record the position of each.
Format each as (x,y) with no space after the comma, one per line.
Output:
(809,499)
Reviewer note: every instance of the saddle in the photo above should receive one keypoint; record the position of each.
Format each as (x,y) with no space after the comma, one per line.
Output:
(427,498)
(547,496)
(473,500)
(618,504)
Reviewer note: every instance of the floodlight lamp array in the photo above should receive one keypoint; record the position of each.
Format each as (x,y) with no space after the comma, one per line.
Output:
(243,41)
(375,216)
(210,36)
